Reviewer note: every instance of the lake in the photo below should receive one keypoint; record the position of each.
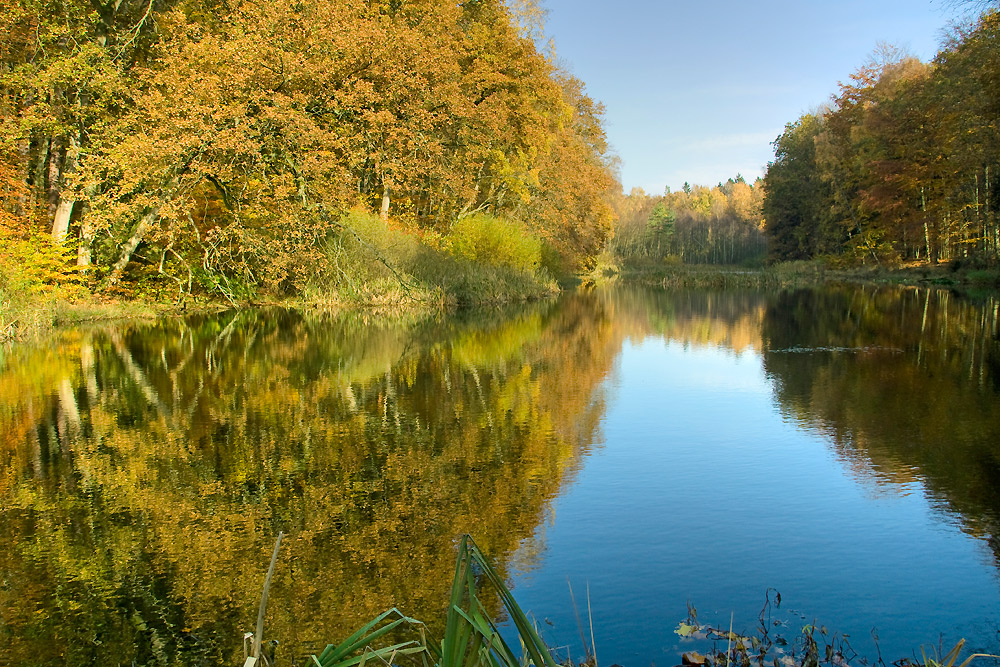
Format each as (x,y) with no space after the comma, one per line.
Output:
(652,449)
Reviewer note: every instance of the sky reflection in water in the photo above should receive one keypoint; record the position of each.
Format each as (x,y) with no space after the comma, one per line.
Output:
(706,490)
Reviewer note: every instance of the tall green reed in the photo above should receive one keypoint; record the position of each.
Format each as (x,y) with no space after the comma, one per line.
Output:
(471,637)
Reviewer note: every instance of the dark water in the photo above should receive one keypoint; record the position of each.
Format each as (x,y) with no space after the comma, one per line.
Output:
(839,445)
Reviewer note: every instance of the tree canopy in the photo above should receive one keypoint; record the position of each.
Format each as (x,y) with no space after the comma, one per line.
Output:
(217,145)
(698,225)
(901,166)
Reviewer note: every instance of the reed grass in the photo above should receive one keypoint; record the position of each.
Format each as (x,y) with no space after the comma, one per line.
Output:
(951,657)
(471,637)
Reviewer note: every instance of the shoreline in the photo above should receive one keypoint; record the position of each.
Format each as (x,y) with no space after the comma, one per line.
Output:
(38,317)
(802,274)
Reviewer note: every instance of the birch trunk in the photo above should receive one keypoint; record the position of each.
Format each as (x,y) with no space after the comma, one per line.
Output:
(64,211)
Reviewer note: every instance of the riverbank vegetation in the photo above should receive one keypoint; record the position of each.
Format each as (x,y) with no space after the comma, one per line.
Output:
(471,637)
(241,150)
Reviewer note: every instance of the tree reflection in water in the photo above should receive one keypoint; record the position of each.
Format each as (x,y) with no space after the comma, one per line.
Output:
(146,468)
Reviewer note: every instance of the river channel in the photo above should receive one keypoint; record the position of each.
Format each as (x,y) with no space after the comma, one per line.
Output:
(651,449)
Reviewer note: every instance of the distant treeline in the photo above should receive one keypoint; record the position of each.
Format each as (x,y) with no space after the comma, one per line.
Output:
(697,225)
(220,146)
(903,165)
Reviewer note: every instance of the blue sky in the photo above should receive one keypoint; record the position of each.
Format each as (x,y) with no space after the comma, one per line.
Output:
(697,91)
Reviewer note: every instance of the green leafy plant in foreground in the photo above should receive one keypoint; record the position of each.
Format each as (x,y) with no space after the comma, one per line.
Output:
(470,638)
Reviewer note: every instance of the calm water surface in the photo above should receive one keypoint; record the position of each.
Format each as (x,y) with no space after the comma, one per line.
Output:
(839,445)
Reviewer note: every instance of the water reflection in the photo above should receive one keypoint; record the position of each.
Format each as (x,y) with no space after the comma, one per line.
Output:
(146,468)
(905,384)
(746,448)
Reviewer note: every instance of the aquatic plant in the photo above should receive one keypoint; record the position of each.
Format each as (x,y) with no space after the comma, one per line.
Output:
(815,646)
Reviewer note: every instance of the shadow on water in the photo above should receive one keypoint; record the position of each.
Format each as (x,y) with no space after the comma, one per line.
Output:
(905,383)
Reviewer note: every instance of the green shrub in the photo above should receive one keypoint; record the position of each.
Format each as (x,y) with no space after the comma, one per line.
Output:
(465,282)
(985,277)
(368,262)
(35,274)
(495,241)
(483,260)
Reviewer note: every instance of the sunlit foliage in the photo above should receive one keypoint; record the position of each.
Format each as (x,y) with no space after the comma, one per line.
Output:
(215,147)
(902,166)
(697,225)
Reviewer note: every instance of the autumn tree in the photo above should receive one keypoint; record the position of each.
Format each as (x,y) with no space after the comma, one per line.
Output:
(697,225)
(901,166)
(217,147)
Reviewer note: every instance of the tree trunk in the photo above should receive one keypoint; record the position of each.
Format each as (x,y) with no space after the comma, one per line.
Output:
(927,232)
(84,253)
(64,211)
(144,226)
(60,222)
(38,192)
(52,182)
(22,202)
(384,211)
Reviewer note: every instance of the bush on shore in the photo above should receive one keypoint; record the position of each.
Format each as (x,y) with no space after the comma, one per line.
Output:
(482,260)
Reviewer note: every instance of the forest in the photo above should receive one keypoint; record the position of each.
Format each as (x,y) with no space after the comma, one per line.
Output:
(253,149)
(696,225)
(380,151)
(902,165)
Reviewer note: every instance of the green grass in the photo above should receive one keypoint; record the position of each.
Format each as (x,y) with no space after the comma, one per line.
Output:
(471,637)
(676,276)
(984,278)
(790,274)
(24,317)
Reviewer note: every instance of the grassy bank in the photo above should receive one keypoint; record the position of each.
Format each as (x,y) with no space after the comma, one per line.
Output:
(366,264)
(482,260)
(26,316)
(676,275)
